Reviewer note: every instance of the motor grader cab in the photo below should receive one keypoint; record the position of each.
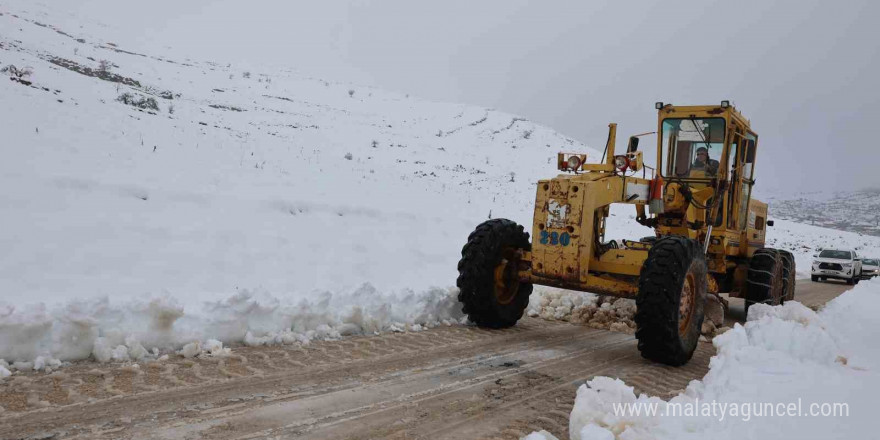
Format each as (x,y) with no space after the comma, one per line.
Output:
(709,233)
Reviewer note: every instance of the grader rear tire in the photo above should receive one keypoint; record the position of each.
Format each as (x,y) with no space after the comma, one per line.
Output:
(669,307)
(765,282)
(788,276)
(490,291)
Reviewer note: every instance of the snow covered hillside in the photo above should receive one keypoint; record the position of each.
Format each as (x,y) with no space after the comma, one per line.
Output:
(152,201)
(178,199)
(854,211)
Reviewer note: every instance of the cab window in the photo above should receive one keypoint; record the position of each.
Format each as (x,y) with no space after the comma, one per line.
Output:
(692,147)
(748,162)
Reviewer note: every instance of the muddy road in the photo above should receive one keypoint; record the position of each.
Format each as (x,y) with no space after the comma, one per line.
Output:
(451,382)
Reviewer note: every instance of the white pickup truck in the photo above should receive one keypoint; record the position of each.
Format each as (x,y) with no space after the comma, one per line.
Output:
(870,268)
(841,264)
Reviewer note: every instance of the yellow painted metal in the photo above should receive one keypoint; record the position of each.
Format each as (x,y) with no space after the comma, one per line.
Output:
(636,161)
(756,227)
(609,146)
(575,205)
(603,285)
(712,285)
(598,167)
(630,268)
(674,198)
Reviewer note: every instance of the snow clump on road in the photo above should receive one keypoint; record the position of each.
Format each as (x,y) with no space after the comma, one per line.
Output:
(594,311)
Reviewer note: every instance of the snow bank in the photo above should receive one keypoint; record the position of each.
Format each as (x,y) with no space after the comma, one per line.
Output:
(4,369)
(784,355)
(118,330)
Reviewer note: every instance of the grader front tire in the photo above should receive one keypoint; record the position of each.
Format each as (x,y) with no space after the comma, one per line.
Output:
(490,291)
(669,306)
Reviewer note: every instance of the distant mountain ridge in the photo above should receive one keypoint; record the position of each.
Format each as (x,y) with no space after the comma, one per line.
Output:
(854,211)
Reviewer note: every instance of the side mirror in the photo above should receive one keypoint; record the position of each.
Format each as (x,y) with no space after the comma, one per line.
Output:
(633,144)
(815,255)
(769,222)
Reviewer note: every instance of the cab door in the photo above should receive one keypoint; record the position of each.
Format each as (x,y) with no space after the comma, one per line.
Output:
(747,217)
(734,192)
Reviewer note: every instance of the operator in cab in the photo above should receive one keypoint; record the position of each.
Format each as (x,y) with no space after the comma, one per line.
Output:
(702,162)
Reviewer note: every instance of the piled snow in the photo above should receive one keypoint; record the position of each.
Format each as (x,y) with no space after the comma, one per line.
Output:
(783,355)
(599,312)
(4,369)
(121,330)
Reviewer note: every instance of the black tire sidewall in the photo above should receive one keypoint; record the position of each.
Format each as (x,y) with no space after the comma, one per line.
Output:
(661,280)
(476,281)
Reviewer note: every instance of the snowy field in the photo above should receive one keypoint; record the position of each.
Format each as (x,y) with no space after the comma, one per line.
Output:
(799,362)
(244,205)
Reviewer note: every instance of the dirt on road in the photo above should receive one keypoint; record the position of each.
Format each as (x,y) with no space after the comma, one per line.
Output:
(450,382)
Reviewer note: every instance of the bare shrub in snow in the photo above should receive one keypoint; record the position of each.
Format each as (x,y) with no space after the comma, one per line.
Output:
(104,66)
(139,101)
(15,72)
(246,75)
(348,156)
(350,93)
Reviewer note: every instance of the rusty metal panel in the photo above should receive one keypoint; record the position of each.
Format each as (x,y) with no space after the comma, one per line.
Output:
(556,228)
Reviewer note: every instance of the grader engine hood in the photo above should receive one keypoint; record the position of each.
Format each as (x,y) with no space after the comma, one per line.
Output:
(556,232)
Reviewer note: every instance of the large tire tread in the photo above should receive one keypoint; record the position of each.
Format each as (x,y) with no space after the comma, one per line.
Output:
(765,282)
(479,257)
(657,304)
(789,276)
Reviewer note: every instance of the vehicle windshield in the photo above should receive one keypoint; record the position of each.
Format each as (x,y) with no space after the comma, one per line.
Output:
(840,255)
(871,262)
(692,147)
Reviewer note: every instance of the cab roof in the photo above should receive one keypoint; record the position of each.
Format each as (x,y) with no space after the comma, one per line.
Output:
(704,111)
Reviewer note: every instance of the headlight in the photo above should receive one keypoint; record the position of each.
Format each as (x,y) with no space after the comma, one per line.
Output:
(574,163)
(621,162)
(846,264)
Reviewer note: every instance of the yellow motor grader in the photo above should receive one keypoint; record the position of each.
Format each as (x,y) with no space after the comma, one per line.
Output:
(709,233)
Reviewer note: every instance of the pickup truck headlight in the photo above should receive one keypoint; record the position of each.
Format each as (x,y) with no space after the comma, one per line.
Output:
(847,265)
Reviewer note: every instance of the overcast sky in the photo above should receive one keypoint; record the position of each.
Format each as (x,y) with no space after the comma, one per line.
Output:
(804,72)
